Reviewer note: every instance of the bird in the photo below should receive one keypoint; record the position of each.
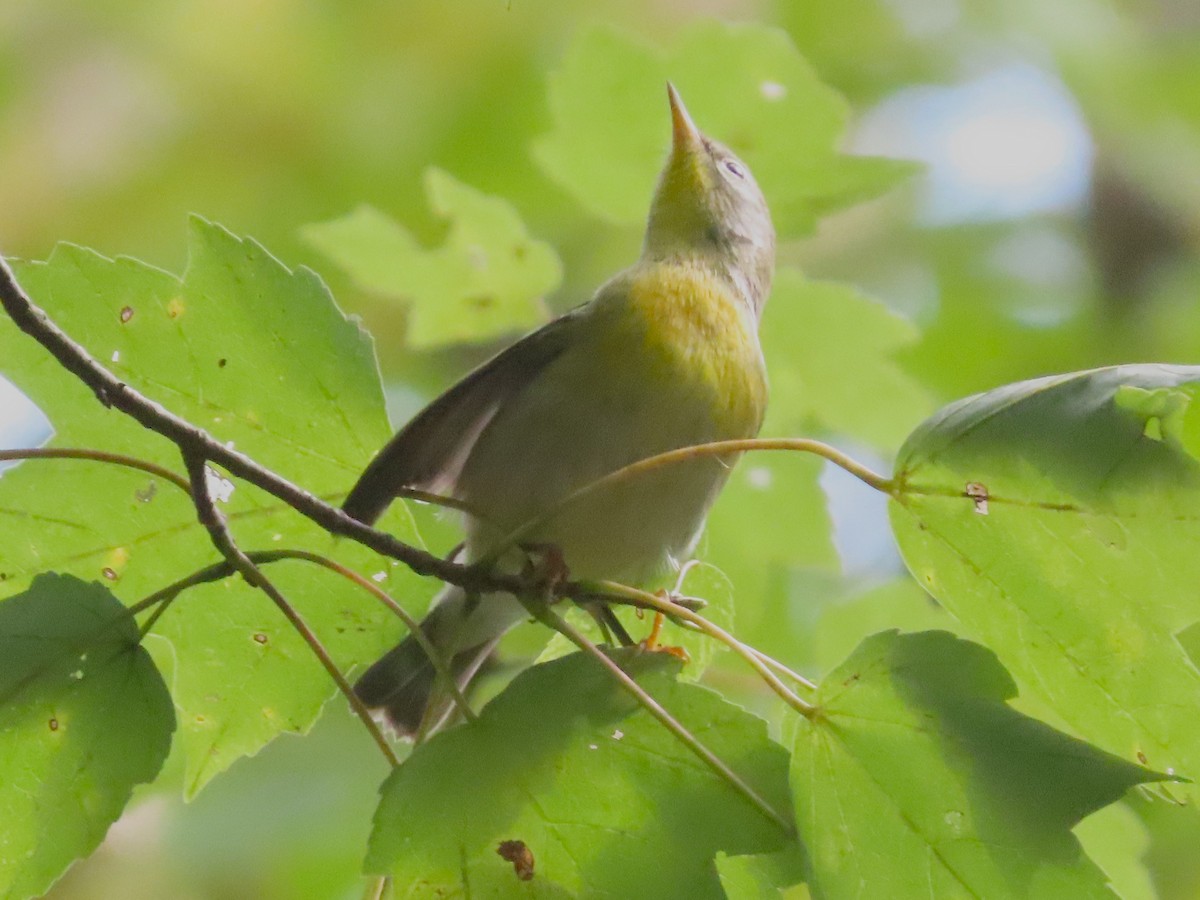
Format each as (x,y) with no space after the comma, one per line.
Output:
(665,355)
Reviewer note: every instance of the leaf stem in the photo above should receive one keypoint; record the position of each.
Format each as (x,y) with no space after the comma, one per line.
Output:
(687,454)
(116,459)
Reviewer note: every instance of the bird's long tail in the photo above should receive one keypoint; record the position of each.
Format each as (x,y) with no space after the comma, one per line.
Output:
(403,683)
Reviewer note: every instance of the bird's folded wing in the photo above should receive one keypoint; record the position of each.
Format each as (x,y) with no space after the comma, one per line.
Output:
(429,452)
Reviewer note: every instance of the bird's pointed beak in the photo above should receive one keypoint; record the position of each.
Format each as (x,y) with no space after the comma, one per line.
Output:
(685,135)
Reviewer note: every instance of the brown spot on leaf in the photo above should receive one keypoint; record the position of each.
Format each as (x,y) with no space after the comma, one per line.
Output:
(521,857)
(54,724)
(109,573)
(221,363)
(1141,757)
(260,637)
(126,314)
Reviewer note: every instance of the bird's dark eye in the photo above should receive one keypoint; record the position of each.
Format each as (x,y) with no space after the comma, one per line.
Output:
(734,169)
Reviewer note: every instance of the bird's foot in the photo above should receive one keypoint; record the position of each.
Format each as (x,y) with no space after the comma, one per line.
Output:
(651,642)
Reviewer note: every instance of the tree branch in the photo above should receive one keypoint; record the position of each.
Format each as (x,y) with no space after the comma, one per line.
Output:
(193,441)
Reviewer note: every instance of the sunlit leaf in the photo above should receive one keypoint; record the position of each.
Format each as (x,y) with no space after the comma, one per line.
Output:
(1117,841)
(487,279)
(1074,557)
(612,127)
(918,779)
(766,875)
(262,358)
(84,716)
(607,802)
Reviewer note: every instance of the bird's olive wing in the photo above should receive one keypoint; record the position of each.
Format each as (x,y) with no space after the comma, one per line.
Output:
(429,452)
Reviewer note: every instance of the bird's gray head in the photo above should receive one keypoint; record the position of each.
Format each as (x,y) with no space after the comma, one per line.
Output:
(709,208)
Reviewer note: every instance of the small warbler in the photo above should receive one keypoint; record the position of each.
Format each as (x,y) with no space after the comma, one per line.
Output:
(665,355)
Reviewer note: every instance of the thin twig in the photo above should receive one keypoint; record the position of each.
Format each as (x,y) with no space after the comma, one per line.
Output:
(116,459)
(548,616)
(224,569)
(211,518)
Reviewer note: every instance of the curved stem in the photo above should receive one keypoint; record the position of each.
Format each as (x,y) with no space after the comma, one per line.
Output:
(414,627)
(116,459)
(781,668)
(687,454)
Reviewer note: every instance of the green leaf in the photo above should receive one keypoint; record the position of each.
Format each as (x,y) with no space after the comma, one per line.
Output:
(488,278)
(84,716)
(606,800)
(1117,840)
(765,875)
(611,127)
(831,356)
(262,358)
(1076,559)
(918,779)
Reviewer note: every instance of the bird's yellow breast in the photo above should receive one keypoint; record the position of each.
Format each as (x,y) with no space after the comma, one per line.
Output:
(694,334)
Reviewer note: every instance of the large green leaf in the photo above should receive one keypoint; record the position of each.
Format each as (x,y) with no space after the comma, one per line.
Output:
(84,716)
(605,799)
(1075,560)
(919,780)
(612,127)
(486,280)
(260,356)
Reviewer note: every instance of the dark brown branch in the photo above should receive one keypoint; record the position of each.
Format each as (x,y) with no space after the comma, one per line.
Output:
(211,518)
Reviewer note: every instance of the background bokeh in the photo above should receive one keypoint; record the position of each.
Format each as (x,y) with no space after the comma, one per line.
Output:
(1055,226)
